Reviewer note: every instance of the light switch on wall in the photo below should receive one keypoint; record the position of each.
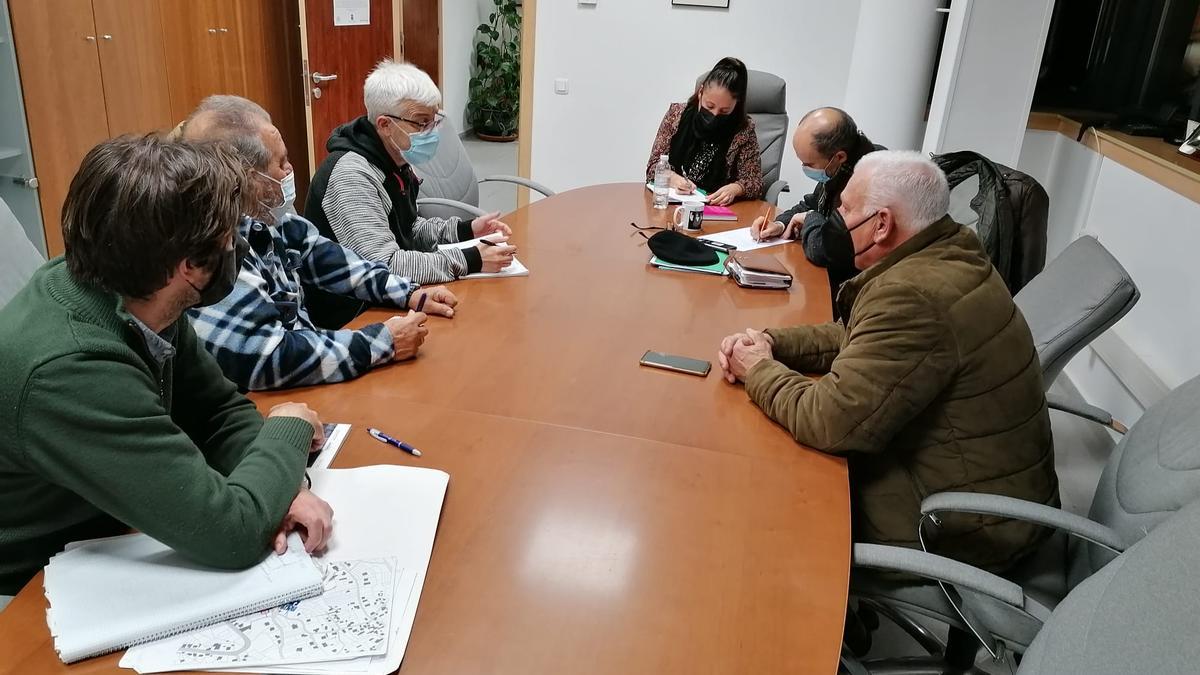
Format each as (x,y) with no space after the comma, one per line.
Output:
(562,86)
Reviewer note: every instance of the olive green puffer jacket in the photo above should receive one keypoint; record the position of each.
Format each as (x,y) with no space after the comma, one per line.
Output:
(932,385)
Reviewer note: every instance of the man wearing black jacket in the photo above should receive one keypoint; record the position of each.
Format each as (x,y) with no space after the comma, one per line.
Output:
(829,145)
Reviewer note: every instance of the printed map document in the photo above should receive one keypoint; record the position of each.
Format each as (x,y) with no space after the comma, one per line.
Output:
(352,618)
(108,594)
(382,512)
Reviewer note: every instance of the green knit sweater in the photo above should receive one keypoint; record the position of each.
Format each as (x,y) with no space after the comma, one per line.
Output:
(96,437)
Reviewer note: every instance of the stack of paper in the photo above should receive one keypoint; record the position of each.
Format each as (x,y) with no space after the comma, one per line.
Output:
(375,568)
(107,594)
(516,269)
(742,241)
(676,197)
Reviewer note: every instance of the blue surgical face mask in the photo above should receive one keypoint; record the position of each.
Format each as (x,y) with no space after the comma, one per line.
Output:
(819,175)
(422,147)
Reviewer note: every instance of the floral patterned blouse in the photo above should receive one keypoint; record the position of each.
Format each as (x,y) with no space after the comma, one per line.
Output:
(743,161)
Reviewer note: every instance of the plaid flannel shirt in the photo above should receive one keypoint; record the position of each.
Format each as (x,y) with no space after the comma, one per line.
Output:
(261,334)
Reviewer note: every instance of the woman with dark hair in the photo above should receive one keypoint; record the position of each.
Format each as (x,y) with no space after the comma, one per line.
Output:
(710,140)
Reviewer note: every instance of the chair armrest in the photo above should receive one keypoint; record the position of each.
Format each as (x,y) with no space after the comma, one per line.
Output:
(517,180)
(772,196)
(471,211)
(1030,512)
(1086,411)
(938,568)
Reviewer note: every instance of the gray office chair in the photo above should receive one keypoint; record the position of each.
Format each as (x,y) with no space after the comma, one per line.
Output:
(1152,473)
(1079,295)
(1137,615)
(766,103)
(449,185)
(18,258)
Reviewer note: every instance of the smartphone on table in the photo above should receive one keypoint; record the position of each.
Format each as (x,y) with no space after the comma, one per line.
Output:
(679,364)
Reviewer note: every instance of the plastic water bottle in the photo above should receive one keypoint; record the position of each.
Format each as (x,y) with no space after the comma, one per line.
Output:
(662,182)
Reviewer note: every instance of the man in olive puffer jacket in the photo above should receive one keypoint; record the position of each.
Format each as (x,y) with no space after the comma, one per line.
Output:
(931,384)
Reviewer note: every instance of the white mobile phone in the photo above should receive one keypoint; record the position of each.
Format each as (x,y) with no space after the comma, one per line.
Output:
(679,364)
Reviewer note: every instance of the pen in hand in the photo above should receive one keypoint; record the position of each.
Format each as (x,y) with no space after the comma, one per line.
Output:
(421,302)
(394,442)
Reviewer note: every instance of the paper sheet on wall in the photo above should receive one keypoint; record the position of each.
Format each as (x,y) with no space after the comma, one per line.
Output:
(352,12)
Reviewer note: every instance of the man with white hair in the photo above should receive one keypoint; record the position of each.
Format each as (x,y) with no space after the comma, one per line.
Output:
(930,383)
(364,194)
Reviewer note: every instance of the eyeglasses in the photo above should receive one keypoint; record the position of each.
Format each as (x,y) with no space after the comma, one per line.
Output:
(422,127)
(640,229)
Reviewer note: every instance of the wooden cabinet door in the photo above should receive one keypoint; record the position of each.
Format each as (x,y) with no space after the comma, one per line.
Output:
(270,32)
(130,36)
(192,46)
(232,40)
(64,96)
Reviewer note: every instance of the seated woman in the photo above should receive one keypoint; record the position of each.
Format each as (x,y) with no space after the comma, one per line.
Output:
(710,139)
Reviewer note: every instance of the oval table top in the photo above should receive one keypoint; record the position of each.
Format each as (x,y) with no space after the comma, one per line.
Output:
(602,517)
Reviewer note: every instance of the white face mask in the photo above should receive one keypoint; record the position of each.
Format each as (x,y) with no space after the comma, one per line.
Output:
(287,191)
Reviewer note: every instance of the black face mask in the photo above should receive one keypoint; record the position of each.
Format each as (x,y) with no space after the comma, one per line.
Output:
(220,284)
(862,222)
(709,124)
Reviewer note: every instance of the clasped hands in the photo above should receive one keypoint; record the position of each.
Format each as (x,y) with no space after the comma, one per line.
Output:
(740,352)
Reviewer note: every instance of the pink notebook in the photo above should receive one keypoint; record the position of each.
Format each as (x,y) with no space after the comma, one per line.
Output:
(719,213)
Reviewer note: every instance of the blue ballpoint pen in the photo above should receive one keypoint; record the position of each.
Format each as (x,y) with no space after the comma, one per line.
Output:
(384,438)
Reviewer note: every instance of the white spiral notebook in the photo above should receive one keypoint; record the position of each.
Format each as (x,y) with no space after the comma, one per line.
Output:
(109,594)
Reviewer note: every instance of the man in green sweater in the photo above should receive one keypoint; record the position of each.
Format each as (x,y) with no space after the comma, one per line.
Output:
(112,414)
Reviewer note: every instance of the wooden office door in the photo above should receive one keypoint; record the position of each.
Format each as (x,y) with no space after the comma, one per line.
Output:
(345,52)
(129,33)
(422,37)
(192,45)
(64,98)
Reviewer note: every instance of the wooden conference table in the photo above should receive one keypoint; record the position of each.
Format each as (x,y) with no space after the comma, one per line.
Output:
(602,517)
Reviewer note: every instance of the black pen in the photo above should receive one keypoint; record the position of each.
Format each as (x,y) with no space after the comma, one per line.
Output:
(421,302)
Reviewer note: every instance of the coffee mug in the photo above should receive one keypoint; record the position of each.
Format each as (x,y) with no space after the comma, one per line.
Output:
(692,219)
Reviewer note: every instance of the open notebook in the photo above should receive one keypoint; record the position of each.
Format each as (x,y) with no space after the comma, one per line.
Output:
(108,594)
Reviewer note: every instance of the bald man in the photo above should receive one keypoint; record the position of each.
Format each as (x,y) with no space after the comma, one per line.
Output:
(829,145)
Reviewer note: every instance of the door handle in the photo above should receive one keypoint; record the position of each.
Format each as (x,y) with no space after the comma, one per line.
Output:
(318,78)
(30,183)
(106,37)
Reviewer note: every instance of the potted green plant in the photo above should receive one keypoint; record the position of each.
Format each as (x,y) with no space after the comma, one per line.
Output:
(495,88)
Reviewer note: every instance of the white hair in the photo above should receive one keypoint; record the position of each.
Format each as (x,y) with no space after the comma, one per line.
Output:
(391,82)
(906,182)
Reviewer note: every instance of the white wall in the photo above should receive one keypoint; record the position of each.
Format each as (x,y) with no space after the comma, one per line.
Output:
(986,77)
(627,60)
(1152,232)
(895,44)
(460,18)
